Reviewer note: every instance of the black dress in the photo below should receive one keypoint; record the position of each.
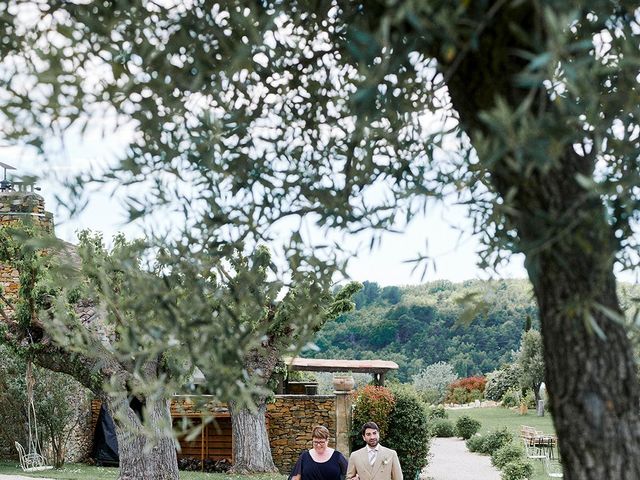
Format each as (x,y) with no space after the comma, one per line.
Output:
(333,469)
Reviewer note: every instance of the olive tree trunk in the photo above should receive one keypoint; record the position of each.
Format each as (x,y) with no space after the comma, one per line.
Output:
(149,454)
(589,365)
(590,375)
(251,449)
(570,250)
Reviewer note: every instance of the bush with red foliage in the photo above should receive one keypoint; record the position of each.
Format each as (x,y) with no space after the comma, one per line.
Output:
(466,390)
(372,404)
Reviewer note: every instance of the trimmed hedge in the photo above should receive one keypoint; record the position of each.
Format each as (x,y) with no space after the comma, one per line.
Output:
(518,470)
(490,442)
(467,427)
(474,444)
(437,411)
(442,428)
(507,454)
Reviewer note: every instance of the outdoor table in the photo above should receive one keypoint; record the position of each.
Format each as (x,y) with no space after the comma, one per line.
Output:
(546,443)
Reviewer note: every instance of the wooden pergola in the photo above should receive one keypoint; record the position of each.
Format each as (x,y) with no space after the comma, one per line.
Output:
(377,368)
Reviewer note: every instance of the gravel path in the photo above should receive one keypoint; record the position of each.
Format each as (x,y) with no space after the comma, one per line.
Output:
(449,459)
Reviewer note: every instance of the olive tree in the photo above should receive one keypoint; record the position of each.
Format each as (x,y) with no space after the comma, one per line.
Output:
(353,114)
(432,381)
(64,325)
(277,323)
(131,330)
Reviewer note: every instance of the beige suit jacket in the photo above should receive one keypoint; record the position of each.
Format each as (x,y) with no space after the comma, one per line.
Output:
(386,466)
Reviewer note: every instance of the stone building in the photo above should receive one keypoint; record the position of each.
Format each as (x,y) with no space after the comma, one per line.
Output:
(21,203)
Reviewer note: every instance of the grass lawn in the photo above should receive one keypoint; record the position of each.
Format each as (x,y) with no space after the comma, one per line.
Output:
(495,418)
(498,417)
(77,471)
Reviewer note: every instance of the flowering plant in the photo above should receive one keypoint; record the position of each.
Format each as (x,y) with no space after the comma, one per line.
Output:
(385,461)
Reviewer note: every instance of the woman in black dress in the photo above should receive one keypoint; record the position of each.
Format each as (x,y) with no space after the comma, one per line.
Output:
(320,462)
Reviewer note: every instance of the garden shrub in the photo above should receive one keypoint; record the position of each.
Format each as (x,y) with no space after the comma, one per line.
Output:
(475,395)
(508,453)
(430,396)
(442,428)
(495,440)
(407,427)
(466,390)
(474,444)
(529,399)
(436,412)
(466,427)
(372,404)
(458,396)
(511,398)
(500,381)
(518,470)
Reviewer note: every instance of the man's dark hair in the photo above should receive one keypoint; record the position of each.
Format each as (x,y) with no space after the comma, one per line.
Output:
(371,425)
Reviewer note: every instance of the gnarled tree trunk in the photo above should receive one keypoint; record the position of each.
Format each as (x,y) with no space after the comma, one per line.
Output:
(251,449)
(145,451)
(589,363)
(143,456)
(570,250)
(590,376)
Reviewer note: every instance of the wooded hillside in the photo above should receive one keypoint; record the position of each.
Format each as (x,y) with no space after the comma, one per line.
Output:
(419,325)
(416,326)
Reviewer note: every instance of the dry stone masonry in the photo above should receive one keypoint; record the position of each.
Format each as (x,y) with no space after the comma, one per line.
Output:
(291,419)
(20,207)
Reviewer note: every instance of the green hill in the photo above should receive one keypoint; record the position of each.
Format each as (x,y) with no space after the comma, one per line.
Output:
(416,326)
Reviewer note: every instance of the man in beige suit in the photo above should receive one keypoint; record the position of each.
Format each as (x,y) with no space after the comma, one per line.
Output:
(373,461)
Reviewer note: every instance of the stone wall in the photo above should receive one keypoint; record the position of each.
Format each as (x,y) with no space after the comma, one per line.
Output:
(25,206)
(291,419)
(15,207)
(80,442)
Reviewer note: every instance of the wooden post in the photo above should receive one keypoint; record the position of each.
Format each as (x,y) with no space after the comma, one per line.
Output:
(202,440)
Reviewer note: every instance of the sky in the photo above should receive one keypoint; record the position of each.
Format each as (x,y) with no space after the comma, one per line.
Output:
(443,233)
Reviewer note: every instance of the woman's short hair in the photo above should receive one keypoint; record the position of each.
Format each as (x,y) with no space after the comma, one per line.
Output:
(320,431)
(371,425)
